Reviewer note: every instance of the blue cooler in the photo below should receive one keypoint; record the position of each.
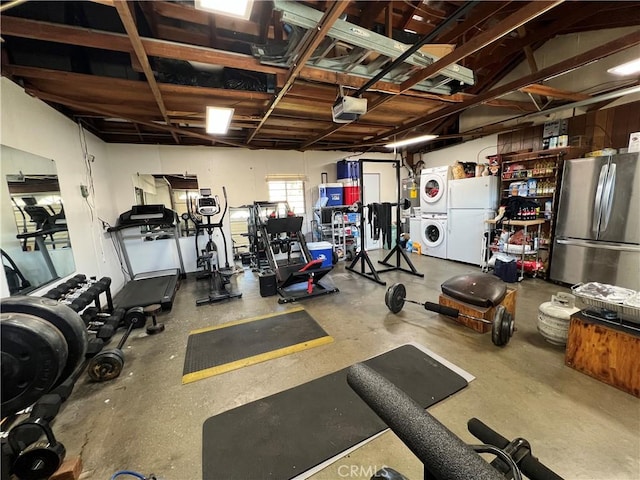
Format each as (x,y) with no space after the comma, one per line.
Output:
(321,251)
(348,169)
(332,192)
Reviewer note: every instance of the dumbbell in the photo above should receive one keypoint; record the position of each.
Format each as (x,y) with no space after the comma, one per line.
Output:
(108,364)
(89,315)
(107,327)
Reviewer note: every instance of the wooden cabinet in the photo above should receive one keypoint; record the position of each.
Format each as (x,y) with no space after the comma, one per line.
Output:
(608,353)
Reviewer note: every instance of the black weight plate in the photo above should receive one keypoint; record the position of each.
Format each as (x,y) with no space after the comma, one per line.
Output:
(34,354)
(38,461)
(394,298)
(136,316)
(106,365)
(62,317)
(497,325)
(506,329)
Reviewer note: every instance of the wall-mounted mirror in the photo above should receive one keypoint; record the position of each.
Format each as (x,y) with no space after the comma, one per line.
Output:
(34,239)
(173,191)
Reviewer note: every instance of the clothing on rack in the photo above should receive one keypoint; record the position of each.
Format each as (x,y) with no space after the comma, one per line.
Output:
(379,217)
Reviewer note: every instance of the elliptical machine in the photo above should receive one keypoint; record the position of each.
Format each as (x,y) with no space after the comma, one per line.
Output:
(208,206)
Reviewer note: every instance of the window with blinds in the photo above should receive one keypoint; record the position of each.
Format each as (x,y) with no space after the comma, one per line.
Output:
(291,191)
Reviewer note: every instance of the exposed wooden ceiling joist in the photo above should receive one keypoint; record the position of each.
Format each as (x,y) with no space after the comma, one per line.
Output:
(617,45)
(247,64)
(130,26)
(310,44)
(547,91)
(528,12)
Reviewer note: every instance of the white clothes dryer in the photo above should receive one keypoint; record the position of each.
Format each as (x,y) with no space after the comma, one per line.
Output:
(433,190)
(434,232)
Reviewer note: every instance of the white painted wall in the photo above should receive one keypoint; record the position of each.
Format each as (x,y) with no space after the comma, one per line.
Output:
(32,126)
(471,151)
(554,51)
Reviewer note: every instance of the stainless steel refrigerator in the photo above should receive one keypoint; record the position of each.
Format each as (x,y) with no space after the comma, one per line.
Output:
(597,236)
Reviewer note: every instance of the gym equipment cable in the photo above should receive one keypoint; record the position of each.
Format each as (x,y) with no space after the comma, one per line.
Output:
(207,207)
(362,256)
(502,324)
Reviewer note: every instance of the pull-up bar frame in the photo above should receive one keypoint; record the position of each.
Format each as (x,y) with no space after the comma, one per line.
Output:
(397,251)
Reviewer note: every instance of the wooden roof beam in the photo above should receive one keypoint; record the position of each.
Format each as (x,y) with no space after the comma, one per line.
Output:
(545,91)
(602,51)
(111,114)
(513,21)
(85,37)
(132,31)
(523,15)
(311,40)
(479,14)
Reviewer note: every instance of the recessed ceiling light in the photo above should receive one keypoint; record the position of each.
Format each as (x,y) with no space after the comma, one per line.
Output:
(218,119)
(234,8)
(628,68)
(418,18)
(411,141)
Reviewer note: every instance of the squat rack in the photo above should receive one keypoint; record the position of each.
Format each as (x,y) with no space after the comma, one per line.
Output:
(363,256)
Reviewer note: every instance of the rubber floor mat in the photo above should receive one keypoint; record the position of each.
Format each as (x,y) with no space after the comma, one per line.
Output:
(220,349)
(286,434)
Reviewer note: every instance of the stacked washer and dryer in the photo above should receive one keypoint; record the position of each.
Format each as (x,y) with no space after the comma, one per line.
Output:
(433,210)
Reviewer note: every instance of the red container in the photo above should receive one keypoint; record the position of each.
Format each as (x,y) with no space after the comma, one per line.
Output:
(351,192)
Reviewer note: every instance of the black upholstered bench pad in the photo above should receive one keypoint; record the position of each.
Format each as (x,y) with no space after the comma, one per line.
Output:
(479,289)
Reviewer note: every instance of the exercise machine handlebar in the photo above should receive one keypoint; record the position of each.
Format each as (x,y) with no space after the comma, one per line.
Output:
(443,454)
(529,465)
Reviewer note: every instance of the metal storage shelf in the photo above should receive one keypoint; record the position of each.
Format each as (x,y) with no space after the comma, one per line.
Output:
(341,233)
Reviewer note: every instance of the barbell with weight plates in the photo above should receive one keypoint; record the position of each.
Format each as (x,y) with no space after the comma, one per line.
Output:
(108,364)
(43,342)
(502,325)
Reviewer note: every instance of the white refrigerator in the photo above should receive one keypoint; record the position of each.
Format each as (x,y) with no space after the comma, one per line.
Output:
(471,202)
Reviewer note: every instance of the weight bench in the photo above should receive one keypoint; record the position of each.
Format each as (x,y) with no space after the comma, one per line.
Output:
(310,274)
(477,295)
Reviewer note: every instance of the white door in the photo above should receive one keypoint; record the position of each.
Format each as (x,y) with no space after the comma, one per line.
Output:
(370,194)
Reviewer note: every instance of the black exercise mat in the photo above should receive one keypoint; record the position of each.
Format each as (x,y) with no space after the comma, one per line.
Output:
(220,349)
(286,434)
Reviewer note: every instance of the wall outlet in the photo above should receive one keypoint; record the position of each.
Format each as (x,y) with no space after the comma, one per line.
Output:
(84,191)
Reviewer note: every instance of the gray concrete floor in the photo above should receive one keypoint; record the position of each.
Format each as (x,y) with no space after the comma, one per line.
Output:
(147,421)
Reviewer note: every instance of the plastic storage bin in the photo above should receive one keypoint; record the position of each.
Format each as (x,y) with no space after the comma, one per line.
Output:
(321,251)
(351,191)
(348,170)
(332,192)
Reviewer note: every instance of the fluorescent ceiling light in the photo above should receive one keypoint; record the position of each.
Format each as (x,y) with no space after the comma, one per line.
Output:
(418,18)
(218,119)
(409,31)
(234,8)
(628,68)
(411,141)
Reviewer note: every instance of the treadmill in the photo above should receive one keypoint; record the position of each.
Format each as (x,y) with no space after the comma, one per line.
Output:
(154,287)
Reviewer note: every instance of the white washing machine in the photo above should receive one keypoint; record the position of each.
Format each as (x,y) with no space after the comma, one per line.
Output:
(434,232)
(433,189)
